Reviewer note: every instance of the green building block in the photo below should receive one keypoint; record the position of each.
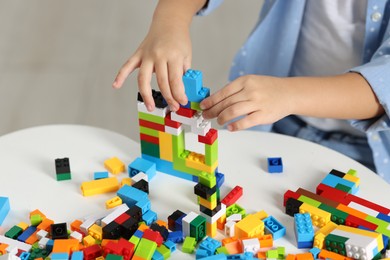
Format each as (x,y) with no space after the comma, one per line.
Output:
(235,209)
(14,232)
(337,216)
(189,245)
(35,219)
(309,201)
(273,253)
(281,252)
(114,257)
(63,176)
(135,240)
(150,149)
(342,187)
(164,251)
(148,131)
(145,248)
(211,153)
(152,118)
(352,172)
(336,244)
(198,228)
(222,250)
(207,179)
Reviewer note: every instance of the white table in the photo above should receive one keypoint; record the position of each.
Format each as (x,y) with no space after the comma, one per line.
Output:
(28,174)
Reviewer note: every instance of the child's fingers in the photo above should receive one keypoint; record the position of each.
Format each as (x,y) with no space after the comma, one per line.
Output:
(220,95)
(248,121)
(144,79)
(127,68)
(238,109)
(161,71)
(215,110)
(175,74)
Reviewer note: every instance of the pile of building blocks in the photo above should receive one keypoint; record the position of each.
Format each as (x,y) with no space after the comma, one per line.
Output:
(162,138)
(347,224)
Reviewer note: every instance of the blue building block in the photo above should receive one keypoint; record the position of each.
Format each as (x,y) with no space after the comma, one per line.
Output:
(100,175)
(138,233)
(275,165)
(383,217)
(193,85)
(215,257)
(272,226)
(49,245)
(131,195)
(244,256)
(188,105)
(157,256)
(59,256)
(176,236)
(142,165)
(27,233)
(332,180)
(77,255)
(144,204)
(210,245)
(24,256)
(315,251)
(4,208)
(170,245)
(201,254)
(149,217)
(304,231)
(220,178)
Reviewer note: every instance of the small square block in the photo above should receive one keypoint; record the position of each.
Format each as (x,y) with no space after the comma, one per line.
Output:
(59,231)
(114,165)
(100,175)
(275,165)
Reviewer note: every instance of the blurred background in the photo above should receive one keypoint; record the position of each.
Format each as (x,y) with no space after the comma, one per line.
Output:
(58,58)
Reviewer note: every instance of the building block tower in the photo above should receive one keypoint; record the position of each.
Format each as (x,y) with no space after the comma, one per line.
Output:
(162,139)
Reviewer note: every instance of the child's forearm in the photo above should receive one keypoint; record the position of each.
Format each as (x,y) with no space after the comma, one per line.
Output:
(346,96)
(177,12)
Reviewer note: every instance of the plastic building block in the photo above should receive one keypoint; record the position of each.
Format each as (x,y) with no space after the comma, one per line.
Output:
(198,228)
(101,186)
(210,245)
(162,229)
(59,256)
(232,196)
(112,203)
(59,231)
(14,232)
(26,234)
(235,209)
(142,165)
(209,138)
(77,255)
(275,165)
(114,165)
(250,226)
(145,249)
(100,175)
(4,208)
(189,245)
(272,226)
(304,231)
(193,85)
(62,169)
(153,236)
(149,217)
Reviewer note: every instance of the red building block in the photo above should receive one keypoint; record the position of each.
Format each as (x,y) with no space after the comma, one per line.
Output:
(149,138)
(289,194)
(151,125)
(354,221)
(352,198)
(169,122)
(209,138)
(232,196)
(92,252)
(153,236)
(187,112)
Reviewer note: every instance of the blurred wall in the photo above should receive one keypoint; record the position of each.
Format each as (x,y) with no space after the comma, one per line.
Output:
(59,58)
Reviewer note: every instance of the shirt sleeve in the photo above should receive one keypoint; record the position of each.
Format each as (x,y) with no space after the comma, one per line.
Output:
(377,74)
(209,7)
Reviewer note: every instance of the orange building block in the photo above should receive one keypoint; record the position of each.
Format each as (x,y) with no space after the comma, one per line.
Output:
(75,226)
(304,256)
(45,224)
(65,245)
(290,257)
(37,212)
(262,255)
(325,254)
(3,249)
(33,238)
(266,241)
(234,247)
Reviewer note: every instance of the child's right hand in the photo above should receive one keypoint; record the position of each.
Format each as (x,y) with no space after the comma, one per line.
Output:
(165,51)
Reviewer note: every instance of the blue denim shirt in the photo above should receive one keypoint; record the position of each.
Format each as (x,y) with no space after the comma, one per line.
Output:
(269,53)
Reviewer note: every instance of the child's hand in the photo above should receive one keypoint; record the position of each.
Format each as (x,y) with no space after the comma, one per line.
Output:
(167,53)
(260,99)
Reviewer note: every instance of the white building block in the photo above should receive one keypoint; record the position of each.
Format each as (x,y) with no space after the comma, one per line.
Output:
(229,228)
(186,223)
(162,112)
(117,211)
(12,242)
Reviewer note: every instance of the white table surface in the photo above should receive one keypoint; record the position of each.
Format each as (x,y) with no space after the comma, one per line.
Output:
(28,173)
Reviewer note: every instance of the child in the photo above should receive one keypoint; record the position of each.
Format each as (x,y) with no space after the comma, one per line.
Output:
(307,67)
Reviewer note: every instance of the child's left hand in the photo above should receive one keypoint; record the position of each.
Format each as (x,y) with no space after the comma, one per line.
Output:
(260,99)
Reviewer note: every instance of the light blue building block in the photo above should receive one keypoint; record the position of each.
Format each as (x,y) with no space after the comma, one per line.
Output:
(77,255)
(131,195)
(210,245)
(193,85)
(4,208)
(332,180)
(100,175)
(142,165)
(303,227)
(59,256)
(272,226)
(149,217)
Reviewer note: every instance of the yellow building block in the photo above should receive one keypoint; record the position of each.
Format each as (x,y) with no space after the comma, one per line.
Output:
(114,165)
(112,203)
(196,161)
(250,226)
(206,203)
(352,178)
(329,227)
(23,225)
(88,241)
(211,229)
(319,240)
(100,186)
(126,181)
(261,214)
(318,216)
(165,144)
(96,232)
